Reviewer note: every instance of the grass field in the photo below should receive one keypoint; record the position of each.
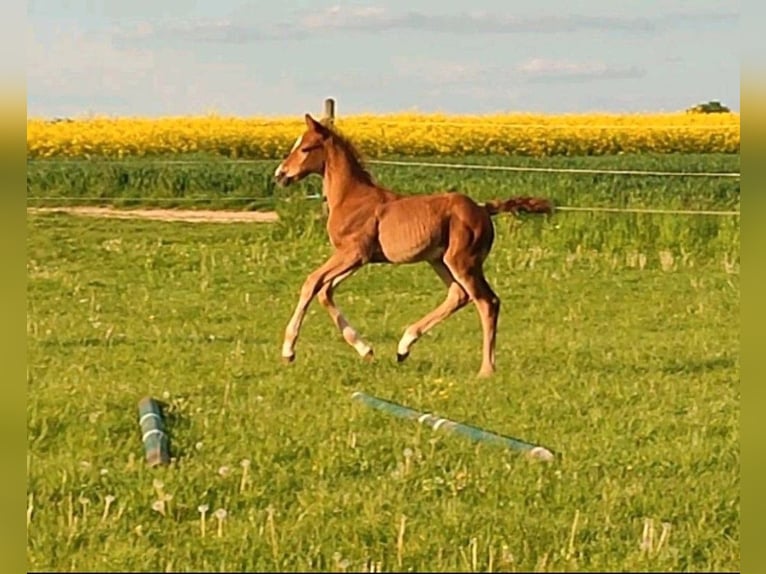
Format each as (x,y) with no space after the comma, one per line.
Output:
(204,180)
(618,348)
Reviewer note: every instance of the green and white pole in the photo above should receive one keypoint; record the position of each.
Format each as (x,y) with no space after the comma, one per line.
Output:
(472,432)
(153,432)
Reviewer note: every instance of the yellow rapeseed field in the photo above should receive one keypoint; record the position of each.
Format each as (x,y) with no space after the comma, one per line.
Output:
(395,134)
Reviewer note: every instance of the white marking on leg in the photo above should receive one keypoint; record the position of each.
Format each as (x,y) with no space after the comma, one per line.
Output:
(406,342)
(291,332)
(278,170)
(362,348)
(351,336)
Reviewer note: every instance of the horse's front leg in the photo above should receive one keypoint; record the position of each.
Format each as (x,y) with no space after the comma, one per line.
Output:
(350,335)
(337,265)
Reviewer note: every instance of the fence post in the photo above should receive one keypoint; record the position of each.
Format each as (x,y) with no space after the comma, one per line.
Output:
(328,119)
(328,113)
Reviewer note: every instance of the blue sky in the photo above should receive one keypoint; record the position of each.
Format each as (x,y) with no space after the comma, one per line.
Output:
(258,58)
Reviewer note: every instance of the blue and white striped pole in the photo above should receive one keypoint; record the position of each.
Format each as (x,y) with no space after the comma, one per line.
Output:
(472,432)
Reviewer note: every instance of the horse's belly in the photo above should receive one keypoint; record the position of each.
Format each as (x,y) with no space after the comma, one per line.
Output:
(410,243)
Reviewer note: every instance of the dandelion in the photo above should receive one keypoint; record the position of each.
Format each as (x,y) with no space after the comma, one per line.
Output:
(198,445)
(220,515)
(407,458)
(103,472)
(30,508)
(84,501)
(159,506)
(647,536)
(400,540)
(224,471)
(664,535)
(202,508)
(245,467)
(506,555)
(108,500)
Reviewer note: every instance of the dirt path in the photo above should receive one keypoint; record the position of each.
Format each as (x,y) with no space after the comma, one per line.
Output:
(194,215)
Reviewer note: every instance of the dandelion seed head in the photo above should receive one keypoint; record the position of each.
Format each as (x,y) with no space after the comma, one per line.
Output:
(220,514)
(203,508)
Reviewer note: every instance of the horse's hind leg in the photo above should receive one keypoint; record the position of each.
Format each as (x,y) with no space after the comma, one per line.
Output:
(469,273)
(455,300)
(350,335)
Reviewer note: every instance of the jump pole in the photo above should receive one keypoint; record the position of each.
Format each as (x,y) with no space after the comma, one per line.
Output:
(153,434)
(472,432)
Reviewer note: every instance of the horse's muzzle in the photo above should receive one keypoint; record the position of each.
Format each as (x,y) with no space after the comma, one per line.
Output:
(283,179)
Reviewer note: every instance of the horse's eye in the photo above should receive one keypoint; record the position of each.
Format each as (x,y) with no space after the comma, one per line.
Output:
(309,148)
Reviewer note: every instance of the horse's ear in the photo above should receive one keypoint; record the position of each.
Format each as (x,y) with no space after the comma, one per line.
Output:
(315,126)
(312,123)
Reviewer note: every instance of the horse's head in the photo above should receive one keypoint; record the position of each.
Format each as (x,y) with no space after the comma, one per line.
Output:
(307,156)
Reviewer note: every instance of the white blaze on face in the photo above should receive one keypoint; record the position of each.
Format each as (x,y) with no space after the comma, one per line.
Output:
(292,149)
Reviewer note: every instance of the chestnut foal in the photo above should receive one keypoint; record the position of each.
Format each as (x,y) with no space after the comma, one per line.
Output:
(370,224)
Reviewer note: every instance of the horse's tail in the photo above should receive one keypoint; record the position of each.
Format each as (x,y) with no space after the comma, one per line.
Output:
(522,204)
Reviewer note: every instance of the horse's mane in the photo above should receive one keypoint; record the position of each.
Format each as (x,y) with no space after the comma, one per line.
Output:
(355,158)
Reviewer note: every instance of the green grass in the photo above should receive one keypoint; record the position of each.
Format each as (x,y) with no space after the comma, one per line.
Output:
(627,367)
(203,181)
(211,183)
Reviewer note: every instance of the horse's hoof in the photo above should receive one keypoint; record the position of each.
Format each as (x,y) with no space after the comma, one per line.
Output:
(401,357)
(485,374)
(288,359)
(369,356)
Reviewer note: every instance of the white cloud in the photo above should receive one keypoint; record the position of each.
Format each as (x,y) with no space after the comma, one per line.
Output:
(378,19)
(541,69)
(71,73)
(76,63)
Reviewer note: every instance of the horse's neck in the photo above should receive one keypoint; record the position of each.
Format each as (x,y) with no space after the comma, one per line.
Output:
(340,181)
